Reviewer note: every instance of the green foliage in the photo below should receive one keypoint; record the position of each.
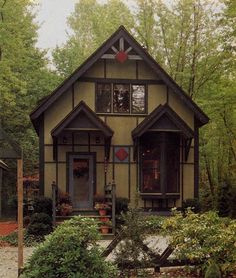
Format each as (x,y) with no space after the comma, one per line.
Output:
(193,204)
(121,205)
(213,271)
(40,225)
(29,240)
(135,231)
(201,236)
(224,200)
(24,76)
(43,204)
(70,251)
(91,23)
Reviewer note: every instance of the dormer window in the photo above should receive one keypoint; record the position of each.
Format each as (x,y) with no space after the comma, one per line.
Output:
(126,98)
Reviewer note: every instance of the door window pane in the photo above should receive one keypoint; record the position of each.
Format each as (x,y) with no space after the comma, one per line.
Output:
(121,98)
(138,98)
(103,98)
(80,180)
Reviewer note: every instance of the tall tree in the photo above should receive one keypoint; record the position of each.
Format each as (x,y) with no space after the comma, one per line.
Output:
(24,77)
(91,23)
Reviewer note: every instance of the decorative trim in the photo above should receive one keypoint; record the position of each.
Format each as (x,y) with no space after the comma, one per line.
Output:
(121,32)
(121,80)
(156,115)
(108,132)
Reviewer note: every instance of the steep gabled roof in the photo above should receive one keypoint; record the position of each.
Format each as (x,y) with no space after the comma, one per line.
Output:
(169,116)
(120,33)
(82,117)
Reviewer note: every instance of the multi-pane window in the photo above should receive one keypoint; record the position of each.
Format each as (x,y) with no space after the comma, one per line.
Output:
(103,98)
(159,163)
(126,98)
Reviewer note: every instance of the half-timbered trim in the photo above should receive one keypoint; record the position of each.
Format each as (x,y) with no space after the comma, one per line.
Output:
(120,33)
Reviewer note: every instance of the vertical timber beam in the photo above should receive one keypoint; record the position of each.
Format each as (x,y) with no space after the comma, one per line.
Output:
(196,159)
(20,213)
(41,156)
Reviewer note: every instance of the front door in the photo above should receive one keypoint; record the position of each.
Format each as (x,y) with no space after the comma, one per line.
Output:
(81,180)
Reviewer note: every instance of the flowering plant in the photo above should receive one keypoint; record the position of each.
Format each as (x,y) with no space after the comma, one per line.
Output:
(99,206)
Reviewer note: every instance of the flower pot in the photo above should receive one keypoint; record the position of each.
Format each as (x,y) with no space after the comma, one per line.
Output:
(104,229)
(102,212)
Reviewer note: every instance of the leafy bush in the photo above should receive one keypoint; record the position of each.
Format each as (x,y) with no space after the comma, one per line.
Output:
(193,204)
(224,199)
(213,271)
(40,224)
(121,205)
(42,205)
(70,251)
(29,240)
(203,236)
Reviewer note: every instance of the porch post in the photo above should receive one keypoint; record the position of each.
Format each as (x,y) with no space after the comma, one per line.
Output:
(54,204)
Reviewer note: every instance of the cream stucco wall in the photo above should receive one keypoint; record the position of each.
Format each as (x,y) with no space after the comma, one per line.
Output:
(121,125)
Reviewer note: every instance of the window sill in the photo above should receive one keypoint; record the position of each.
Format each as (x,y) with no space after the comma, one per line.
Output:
(159,195)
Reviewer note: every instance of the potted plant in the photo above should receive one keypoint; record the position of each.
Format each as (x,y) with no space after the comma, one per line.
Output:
(64,206)
(65,209)
(102,208)
(105,227)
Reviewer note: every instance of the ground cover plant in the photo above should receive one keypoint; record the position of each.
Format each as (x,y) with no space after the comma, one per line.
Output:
(70,251)
(203,237)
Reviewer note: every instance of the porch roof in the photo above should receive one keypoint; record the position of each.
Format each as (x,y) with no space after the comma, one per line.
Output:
(163,118)
(82,118)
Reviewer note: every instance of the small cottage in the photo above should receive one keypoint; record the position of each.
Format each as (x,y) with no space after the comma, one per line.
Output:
(120,118)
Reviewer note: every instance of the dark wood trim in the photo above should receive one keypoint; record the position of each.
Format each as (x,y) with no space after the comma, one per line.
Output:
(137,69)
(122,115)
(105,68)
(156,115)
(129,175)
(113,162)
(41,155)
(196,158)
(182,173)
(167,95)
(97,162)
(82,107)
(121,80)
(73,96)
(89,139)
(121,32)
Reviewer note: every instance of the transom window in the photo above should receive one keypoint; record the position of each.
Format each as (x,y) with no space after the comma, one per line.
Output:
(126,98)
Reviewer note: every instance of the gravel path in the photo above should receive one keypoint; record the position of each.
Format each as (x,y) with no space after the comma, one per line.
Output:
(8,261)
(8,255)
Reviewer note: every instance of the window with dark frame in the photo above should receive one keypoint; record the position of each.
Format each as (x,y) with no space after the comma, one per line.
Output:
(103,98)
(126,98)
(157,152)
(138,98)
(121,98)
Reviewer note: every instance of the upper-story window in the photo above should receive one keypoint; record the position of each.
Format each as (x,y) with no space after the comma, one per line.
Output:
(126,98)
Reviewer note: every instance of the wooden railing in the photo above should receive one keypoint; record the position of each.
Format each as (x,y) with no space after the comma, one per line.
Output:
(110,197)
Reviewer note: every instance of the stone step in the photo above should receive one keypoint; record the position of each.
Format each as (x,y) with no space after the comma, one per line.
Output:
(63,218)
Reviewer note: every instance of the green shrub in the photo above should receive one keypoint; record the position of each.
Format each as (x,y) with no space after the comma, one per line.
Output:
(121,205)
(42,204)
(201,236)
(29,240)
(224,199)
(213,271)
(40,225)
(193,204)
(70,251)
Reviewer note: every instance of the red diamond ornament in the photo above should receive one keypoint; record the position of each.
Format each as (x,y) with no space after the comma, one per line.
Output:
(121,154)
(121,56)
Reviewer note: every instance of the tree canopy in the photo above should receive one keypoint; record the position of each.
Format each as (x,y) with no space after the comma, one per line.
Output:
(193,40)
